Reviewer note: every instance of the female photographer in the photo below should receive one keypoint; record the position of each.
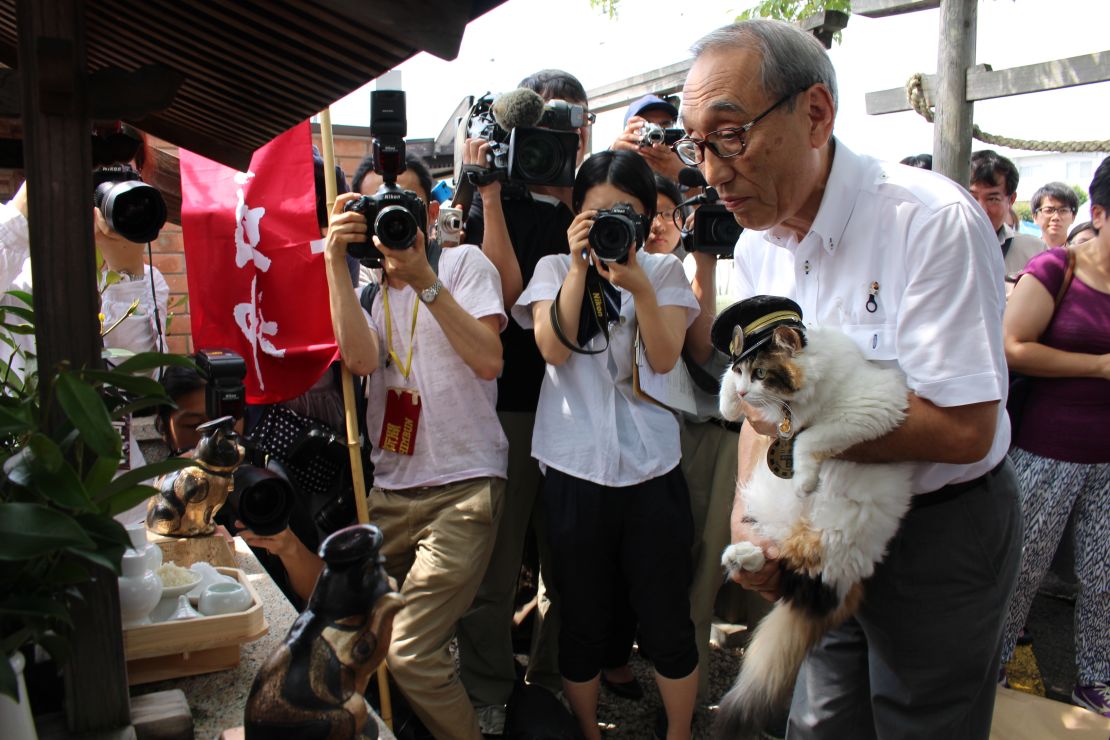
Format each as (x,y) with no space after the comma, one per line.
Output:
(618,512)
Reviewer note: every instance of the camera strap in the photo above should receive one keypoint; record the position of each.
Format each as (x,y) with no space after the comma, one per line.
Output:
(405,368)
(600,305)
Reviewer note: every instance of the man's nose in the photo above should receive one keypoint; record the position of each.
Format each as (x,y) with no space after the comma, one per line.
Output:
(715,170)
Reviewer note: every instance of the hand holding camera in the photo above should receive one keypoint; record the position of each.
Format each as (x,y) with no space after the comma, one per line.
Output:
(407,265)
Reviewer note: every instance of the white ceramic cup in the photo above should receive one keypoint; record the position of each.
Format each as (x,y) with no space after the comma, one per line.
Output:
(224,598)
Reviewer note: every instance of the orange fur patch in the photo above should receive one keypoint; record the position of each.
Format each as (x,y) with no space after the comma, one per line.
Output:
(802,549)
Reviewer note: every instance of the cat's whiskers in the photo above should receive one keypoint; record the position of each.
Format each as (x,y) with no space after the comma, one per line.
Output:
(759,398)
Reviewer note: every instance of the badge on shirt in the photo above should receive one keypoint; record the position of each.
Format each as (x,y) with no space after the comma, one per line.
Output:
(401,421)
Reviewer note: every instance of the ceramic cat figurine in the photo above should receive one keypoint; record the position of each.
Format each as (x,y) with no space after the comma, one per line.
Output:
(312,687)
(189,498)
(831,519)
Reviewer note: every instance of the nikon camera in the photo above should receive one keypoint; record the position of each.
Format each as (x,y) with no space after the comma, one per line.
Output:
(393,214)
(616,231)
(133,209)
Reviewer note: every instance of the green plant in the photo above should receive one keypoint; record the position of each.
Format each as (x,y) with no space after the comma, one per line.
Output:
(1023,211)
(1081,194)
(795,10)
(60,452)
(609,7)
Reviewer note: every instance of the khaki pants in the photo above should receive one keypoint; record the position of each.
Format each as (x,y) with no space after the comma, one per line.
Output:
(709,464)
(437,542)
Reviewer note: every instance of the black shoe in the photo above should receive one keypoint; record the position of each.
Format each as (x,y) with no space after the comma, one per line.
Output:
(626,690)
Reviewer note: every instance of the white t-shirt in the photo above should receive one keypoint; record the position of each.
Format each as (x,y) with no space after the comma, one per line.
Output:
(938,307)
(589,423)
(458,436)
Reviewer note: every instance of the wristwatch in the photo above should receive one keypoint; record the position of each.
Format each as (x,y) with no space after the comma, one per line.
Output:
(429,294)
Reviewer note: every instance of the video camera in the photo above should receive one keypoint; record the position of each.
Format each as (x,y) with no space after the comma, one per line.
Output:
(393,214)
(531,142)
(715,230)
(133,209)
(615,232)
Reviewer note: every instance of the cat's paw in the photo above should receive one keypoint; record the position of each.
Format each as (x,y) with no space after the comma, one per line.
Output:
(742,556)
(807,472)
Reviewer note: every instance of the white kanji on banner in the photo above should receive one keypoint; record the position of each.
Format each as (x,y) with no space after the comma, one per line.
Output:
(247,221)
(248,317)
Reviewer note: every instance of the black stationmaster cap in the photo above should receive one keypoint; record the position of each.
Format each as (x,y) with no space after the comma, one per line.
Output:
(747,325)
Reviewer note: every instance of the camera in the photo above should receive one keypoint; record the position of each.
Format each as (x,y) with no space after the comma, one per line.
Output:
(393,214)
(531,142)
(615,231)
(224,392)
(133,209)
(652,134)
(261,498)
(449,227)
(715,231)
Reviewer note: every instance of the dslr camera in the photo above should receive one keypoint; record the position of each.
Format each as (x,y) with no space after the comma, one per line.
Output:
(616,231)
(531,142)
(393,214)
(224,392)
(652,134)
(133,209)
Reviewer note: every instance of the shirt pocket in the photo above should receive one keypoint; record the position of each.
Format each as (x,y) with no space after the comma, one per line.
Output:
(876,341)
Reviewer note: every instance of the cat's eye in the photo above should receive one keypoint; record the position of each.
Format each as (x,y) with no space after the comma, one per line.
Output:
(760,373)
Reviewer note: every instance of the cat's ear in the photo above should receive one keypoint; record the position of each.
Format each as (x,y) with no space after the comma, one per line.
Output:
(788,338)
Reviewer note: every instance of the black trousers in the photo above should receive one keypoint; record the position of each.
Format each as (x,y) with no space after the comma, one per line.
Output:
(611,544)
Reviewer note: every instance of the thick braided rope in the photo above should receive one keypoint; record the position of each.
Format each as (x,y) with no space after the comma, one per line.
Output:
(915,92)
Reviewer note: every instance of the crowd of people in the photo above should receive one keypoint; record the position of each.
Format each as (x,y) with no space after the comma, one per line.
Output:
(504,402)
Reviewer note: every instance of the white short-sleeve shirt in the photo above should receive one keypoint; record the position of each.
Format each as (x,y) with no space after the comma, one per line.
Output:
(459,436)
(927,251)
(589,423)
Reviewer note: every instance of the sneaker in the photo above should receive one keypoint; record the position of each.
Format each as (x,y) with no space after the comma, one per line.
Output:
(491,719)
(1095,696)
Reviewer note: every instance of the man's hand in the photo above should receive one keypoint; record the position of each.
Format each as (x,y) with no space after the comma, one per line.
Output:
(409,266)
(19,200)
(754,418)
(659,157)
(477,151)
(767,580)
(120,255)
(344,228)
(284,543)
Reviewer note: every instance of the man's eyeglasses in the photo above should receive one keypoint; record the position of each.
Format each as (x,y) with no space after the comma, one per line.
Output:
(725,142)
(1051,211)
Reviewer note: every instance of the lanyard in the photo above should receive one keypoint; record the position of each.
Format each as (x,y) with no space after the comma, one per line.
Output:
(404,369)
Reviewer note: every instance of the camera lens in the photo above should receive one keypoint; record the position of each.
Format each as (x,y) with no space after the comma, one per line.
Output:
(611,237)
(133,209)
(396,227)
(539,158)
(723,230)
(261,499)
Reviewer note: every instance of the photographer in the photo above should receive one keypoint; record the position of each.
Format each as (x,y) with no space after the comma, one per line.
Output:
(650,109)
(124,279)
(618,512)
(431,348)
(516,226)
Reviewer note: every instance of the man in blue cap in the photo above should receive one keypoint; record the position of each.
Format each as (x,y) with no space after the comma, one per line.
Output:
(650,109)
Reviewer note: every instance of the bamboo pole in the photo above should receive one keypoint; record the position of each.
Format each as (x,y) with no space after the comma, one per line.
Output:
(350,409)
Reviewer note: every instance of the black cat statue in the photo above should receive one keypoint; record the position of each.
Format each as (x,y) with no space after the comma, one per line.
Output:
(312,687)
(189,498)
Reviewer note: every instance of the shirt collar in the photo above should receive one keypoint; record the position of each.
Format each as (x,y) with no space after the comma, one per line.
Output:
(1004,232)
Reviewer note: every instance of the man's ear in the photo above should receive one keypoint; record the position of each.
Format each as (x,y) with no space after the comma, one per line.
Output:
(1013,197)
(100,224)
(433,212)
(819,106)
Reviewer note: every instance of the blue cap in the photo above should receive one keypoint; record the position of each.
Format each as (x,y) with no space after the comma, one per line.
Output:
(650,102)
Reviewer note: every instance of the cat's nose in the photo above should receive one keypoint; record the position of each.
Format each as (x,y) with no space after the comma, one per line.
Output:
(741,393)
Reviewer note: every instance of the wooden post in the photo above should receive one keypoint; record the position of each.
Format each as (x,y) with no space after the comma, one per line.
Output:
(58,162)
(952,125)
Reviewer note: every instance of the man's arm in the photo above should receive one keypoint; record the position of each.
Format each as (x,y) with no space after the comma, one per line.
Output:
(358,343)
(495,240)
(704,285)
(765,581)
(959,435)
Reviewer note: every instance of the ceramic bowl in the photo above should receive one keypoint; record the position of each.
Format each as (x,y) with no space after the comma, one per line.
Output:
(224,598)
(208,575)
(168,604)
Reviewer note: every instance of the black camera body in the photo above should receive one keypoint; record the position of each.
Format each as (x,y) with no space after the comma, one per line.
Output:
(393,214)
(616,231)
(134,210)
(224,392)
(543,154)
(715,231)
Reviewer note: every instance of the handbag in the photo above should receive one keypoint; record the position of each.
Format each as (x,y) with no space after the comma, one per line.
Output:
(1021,385)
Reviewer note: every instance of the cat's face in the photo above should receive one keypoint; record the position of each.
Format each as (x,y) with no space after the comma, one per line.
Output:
(766,378)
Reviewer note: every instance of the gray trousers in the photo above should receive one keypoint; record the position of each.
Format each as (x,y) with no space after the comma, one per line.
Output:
(920,659)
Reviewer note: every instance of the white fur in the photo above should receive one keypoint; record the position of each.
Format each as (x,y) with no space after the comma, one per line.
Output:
(856,508)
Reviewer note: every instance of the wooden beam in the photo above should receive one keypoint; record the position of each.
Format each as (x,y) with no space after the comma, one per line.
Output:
(884,8)
(58,156)
(952,124)
(984,83)
(662,81)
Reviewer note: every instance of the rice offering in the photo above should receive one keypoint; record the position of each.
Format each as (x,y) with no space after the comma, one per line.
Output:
(173,574)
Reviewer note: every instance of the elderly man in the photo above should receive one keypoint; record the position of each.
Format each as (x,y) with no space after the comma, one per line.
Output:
(905,263)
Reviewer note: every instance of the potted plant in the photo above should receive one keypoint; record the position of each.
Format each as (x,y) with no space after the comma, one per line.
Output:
(60,451)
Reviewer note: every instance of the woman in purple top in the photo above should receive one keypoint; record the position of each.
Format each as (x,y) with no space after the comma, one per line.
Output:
(1062,450)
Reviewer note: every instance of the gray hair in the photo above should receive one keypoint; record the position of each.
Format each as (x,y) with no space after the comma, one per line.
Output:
(792,59)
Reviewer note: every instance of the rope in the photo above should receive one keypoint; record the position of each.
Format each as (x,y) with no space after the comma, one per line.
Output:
(915,92)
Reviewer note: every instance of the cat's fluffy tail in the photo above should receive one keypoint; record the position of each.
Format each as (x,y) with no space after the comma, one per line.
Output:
(771,663)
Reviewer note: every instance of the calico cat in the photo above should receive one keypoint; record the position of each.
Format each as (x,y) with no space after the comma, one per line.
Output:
(831,521)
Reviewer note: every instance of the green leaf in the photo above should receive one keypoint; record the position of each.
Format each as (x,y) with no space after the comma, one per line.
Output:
(123,500)
(105,530)
(87,412)
(22,295)
(132,478)
(100,474)
(32,530)
(137,384)
(36,606)
(96,558)
(44,453)
(27,314)
(19,328)
(144,361)
(66,572)
(143,403)
(62,486)
(14,421)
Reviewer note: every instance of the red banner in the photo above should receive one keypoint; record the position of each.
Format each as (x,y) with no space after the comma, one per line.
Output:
(256,267)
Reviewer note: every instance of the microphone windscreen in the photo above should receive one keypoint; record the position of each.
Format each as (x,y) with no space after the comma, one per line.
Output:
(691,177)
(710,195)
(519,107)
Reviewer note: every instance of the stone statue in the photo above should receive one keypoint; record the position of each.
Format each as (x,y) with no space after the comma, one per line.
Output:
(188,499)
(312,686)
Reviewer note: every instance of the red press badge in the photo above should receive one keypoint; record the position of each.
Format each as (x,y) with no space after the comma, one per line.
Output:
(402,419)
